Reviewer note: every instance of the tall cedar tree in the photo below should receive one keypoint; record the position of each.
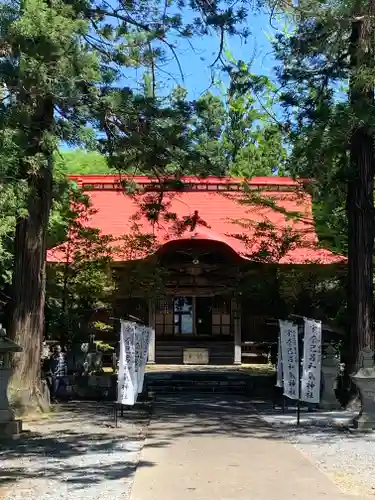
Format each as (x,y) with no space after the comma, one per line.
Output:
(327,74)
(45,70)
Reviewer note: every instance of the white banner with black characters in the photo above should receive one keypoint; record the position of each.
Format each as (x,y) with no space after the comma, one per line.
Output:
(138,357)
(145,334)
(290,358)
(312,361)
(127,378)
(279,366)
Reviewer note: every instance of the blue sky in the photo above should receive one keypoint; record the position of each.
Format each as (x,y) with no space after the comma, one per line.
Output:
(197,74)
(256,49)
(195,65)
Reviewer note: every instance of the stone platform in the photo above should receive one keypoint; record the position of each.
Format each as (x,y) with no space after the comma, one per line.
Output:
(209,379)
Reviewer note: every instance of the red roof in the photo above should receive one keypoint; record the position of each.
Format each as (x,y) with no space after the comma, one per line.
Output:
(271,218)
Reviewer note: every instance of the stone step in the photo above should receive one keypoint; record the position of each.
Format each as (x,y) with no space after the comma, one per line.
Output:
(203,382)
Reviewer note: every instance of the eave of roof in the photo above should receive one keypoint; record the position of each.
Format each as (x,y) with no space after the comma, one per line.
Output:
(217,200)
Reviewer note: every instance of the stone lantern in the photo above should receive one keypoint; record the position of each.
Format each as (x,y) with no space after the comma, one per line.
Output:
(8,425)
(330,365)
(365,381)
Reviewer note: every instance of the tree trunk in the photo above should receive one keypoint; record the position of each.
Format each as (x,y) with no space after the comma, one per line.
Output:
(29,273)
(360,251)
(360,196)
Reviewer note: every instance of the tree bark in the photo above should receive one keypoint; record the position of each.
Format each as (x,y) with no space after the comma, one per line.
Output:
(360,196)
(29,272)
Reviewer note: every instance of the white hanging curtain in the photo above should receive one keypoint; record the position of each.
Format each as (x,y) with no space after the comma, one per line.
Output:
(312,361)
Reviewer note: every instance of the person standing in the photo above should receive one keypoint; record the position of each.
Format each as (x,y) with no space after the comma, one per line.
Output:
(58,370)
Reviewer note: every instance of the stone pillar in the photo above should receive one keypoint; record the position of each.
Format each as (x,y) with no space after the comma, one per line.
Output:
(6,412)
(330,365)
(9,426)
(236,311)
(365,381)
(151,323)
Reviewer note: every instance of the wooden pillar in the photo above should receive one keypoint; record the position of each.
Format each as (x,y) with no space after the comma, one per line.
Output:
(151,322)
(236,311)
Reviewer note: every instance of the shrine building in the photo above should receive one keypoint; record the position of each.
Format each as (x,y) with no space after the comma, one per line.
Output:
(205,261)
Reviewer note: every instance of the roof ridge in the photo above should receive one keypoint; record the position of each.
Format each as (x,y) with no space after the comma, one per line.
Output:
(116,182)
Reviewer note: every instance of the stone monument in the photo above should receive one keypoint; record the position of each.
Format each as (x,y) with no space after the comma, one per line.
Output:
(365,381)
(330,365)
(9,426)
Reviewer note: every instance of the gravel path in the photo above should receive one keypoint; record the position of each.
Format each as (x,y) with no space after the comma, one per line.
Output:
(75,454)
(348,458)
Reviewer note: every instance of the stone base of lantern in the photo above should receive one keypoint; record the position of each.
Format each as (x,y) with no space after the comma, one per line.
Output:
(365,381)
(365,422)
(329,405)
(328,398)
(10,429)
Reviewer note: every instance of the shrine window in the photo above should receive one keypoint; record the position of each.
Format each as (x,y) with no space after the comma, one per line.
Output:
(164,317)
(201,316)
(221,316)
(183,315)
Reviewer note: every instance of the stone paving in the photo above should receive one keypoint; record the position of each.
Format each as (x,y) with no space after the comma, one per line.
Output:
(213,447)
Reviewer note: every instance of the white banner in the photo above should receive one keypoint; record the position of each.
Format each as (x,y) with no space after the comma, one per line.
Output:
(289,353)
(312,361)
(127,378)
(146,333)
(279,366)
(138,356)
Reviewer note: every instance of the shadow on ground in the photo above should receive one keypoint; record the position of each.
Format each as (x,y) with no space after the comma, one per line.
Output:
(77,446)
(80,446)
(215,415)
(73,476)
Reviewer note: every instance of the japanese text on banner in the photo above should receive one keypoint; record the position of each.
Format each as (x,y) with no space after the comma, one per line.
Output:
(289,353)
(279,366)
(145,333)
(126,382)
(312,360)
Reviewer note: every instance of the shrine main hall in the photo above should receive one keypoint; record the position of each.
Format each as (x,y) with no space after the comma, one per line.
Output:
(206,261)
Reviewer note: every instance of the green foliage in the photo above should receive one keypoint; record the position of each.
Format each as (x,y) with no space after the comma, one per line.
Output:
(45,55)
(314,293)
(327,76)
(150,135)
(253,141)
(81,282)
(314,74)
(81,161)
(11,207)
(231,134)
(102,346)
(236,132)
